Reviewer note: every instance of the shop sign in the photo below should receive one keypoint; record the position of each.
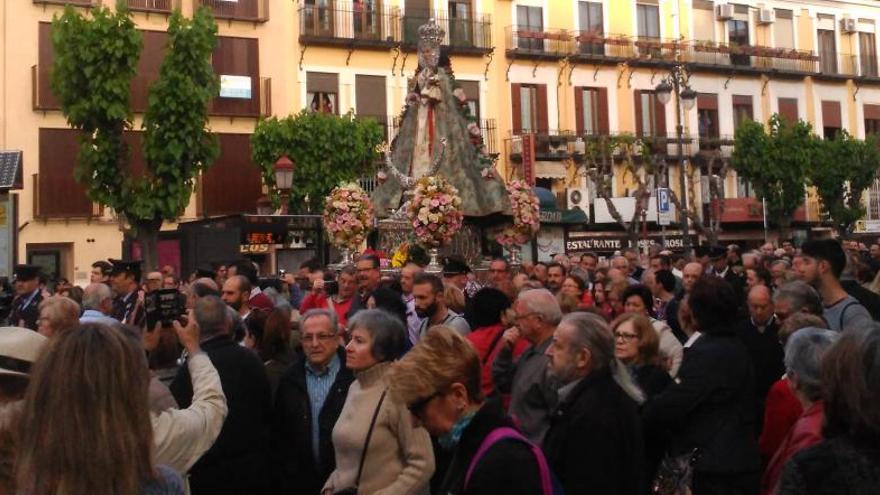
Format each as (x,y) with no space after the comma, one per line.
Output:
(585,241)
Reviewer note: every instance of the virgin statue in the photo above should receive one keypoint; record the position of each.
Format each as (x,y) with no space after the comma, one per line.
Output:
(437,136)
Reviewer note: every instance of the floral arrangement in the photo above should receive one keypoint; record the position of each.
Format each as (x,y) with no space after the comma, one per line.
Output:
(526,218)
(435,211)
(348,216)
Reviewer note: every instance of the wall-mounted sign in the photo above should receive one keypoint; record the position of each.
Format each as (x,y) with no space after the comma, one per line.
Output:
(254,248)
(235,87)
(580,241)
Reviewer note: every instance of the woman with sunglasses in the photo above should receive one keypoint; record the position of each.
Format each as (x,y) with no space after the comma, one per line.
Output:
(439,380)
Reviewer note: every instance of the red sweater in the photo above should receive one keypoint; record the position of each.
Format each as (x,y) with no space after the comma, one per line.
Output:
(780,413)
(806,432)
(481,339)
(313,301)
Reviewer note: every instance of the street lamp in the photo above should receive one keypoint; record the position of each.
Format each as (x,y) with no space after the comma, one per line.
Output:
(677,84)
(284,180)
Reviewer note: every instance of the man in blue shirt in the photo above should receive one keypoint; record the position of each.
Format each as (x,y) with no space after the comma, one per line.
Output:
(310,397)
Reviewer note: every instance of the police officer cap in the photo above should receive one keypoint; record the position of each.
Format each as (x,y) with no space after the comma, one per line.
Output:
(26,272)
(455,265)
(717,252)
(132,267)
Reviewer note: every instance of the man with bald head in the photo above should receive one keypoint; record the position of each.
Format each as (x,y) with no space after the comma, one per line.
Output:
(759,333)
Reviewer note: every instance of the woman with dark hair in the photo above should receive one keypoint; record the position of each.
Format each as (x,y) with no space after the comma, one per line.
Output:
(374,429)
(94,434)
(848,460)
(710,407)
(638,299)
(269,335)
(758,276)
(390,300)
(487,317)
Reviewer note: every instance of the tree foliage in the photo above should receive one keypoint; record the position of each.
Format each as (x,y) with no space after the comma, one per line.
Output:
(605,157)
(95,61)
(776,163)
(842,169)
(327,149)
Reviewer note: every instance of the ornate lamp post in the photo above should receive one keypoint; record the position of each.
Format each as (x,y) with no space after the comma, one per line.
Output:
(685,98)
(284,168)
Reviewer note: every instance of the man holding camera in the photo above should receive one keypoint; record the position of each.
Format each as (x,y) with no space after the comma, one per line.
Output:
(336,295)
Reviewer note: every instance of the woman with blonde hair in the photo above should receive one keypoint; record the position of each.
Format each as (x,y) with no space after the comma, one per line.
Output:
(439,380)
(57,314)
(86,429)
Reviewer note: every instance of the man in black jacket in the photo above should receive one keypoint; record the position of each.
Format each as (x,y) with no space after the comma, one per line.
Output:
(759,333)
(238,462)
(594,444)
(310,397)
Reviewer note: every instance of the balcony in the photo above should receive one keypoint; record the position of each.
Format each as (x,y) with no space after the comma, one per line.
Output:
(236,10)
(255,101)
(707,54)
(835,65)
(55,199)
(75,3)
(349,25)
(524,41)
(150,6)
(464,36)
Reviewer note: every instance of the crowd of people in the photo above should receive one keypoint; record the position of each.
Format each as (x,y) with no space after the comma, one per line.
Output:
(722,372)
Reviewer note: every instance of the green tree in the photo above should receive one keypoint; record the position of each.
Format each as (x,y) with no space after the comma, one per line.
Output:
(841,171)
(776,163)
(327,149)
(95,61)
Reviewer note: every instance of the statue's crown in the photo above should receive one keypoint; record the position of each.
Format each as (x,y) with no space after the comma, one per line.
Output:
(431,33)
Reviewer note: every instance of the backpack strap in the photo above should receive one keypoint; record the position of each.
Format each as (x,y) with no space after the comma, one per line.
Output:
(843,312)
(505,433)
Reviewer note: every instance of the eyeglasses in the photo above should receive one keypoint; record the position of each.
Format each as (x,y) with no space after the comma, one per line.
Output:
(419,405)
(626,337)
(318,337)
(520,317)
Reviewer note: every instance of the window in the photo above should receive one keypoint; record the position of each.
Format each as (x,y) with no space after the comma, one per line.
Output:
(367,16)
(322,92)
(707,121)
(872,120)
(530,19)
(783,29)
(460,27)
(591,109)
(744,188)
(874,201)
(529,108)
(738,35)
(868,54)
(317,18)
(650,114)
(705,186)
(788,109)
(472,94)
(704,20)
(590,18)
(369,94)
(827,51)
(831,121)
(648,17)
(742,110)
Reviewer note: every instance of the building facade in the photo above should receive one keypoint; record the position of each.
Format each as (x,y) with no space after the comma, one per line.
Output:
(559,71)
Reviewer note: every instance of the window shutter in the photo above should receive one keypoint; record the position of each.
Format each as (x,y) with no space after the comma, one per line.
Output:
(637,94)
(543,125)
(660,116)
(602,99)
(872,112)
(788,109)
(831,114)
(579,110)
(515,108)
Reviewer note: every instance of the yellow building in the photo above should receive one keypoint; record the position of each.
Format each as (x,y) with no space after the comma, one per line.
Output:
(557,69)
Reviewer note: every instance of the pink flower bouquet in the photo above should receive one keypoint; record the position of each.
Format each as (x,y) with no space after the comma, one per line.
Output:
(526,217)
(348,216)
(435,211)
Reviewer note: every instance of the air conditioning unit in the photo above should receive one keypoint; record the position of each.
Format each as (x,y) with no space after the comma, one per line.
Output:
(849,24)
(724,12)
(766,16)
(577,197)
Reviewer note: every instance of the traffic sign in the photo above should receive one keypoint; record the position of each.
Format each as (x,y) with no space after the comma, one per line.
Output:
(664,211)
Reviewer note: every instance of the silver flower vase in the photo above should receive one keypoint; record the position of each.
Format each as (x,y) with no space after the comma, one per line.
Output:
(434,266)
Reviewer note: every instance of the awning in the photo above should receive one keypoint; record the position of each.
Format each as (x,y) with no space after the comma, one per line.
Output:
(550,214)
(550,170)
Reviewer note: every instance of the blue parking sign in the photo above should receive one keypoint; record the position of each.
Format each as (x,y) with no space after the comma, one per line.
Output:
(663,200)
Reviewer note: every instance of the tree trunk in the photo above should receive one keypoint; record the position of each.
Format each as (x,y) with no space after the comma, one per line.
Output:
(146,233)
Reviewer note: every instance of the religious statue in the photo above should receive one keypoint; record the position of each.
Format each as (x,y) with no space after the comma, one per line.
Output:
(437,138)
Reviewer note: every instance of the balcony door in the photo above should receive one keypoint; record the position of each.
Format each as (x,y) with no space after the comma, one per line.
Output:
(367,18)
(417,12)
(868,54)
(318,18)
(461,27)
(590,18)
(827,51)
(738,36)
(530,25)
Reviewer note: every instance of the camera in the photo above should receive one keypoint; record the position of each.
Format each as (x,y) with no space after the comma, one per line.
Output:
(163,305)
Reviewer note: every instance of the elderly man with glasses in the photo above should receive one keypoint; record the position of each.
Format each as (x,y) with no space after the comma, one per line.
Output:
(532,391)
(309,400)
